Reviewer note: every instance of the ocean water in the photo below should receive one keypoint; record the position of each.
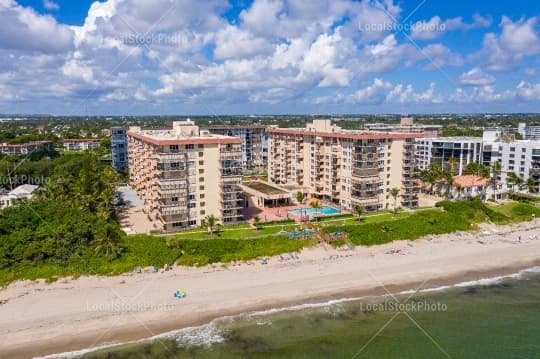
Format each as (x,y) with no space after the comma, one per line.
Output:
(496,318)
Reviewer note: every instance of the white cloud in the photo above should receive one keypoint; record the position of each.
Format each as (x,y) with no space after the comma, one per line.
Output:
(476,77)
(50,5)
(435,27)
(528,92)
(506,51)
(23,29)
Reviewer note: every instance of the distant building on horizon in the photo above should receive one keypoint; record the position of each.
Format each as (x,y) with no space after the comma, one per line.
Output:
(406,125)
(24,148)
(529,132)
(81,144)
(119,148)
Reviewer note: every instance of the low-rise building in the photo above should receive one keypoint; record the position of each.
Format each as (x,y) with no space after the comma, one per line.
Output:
(80,144)
(24,148)
(440,150)
(184,175)
(346,167)
(406,125)
(22,192)
(469,186)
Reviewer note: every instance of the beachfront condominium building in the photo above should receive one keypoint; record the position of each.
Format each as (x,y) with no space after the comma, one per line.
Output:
(184,175)
(529,132)
(406,125)
(254,143)
(440,150)
(119,148)
(521,157)
(344,167)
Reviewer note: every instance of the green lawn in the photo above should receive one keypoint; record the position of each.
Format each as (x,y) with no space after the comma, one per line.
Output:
(241,243)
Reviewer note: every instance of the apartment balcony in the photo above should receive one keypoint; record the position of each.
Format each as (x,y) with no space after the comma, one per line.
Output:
(365,172)
(173,210)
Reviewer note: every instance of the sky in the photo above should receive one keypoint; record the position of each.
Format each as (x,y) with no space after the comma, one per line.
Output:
(218,57)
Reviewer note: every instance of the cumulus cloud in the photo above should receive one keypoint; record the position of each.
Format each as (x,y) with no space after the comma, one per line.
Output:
(23,29)
(50,5)
(506,51)
(476,77)
(435,27)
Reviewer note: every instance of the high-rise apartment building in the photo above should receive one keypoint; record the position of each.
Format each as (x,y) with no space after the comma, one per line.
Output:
(119,148)
(184,175)
(254,143)
(344,167)
(521,157)
(439,150)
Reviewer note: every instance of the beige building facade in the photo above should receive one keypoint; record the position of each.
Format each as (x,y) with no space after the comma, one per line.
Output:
(344,167)
(184,175)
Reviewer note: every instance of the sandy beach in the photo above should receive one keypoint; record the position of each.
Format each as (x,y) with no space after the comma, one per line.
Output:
(38,318)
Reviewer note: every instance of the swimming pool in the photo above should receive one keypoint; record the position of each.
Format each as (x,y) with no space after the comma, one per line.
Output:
(309,210)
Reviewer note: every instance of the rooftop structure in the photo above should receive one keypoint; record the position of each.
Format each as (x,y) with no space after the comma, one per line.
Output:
(24,148)
(440,150)
(21,192)
(529,132)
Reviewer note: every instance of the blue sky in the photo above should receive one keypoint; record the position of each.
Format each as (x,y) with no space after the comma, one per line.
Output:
(268,56)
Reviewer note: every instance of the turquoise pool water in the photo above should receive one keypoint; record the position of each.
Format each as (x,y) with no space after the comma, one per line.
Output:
(309,210)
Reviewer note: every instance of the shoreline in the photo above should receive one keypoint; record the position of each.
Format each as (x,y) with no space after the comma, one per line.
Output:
(53,313)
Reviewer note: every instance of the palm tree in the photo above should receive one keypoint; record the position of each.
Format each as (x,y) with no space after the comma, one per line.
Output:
(459,190)
(107,241)
(496,169)
(315,204)
(449,179)
(256,221)
(210,222)
(477,170)
(453,162)
(515,180)
(532,187)
(359,209)
(394,192)
(300,197)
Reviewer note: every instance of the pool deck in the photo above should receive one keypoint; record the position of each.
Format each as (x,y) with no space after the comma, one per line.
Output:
(280,213)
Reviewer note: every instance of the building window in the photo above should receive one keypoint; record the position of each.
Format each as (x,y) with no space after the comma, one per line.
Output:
(201,196)
(192,205)
(201,188)
(175,165)
(174,199)
(190,146)
(201,145)
(201,179)
(192,222)
(201,154)
(202,204)
(177,224)
(201,163)
(173,148)
(191,197)
(201,171)
(203,212)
